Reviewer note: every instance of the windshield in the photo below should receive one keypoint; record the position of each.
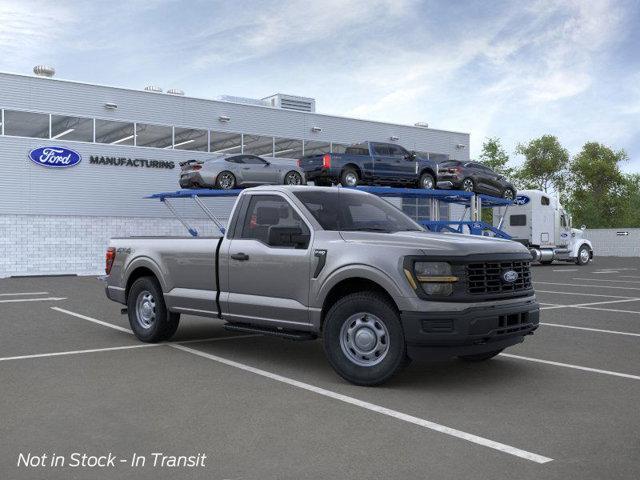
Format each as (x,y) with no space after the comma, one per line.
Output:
(350,211)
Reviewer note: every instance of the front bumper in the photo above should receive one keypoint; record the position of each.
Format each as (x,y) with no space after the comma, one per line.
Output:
(479,329)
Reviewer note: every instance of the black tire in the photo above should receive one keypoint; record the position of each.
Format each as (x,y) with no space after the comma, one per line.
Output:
(468,185)
(226,180)
(164,323)
(583,259)
(383,315)
(480,357)
(293,178)
(349,177)
(509,194)
(427,178)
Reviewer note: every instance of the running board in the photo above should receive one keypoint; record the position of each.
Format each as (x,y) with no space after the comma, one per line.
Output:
(288,334)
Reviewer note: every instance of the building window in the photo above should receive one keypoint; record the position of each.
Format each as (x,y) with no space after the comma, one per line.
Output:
(26,124)
(338,147)
(258,145)
(157,136)
(312,147)
(225,142)
(114,133)
(190,139)
(72,128)
(419,209)
(287,148)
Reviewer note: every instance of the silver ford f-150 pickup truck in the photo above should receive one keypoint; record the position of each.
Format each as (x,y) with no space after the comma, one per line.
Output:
(305,262)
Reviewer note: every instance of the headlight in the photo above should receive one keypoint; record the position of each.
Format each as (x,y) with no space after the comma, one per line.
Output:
(434,278)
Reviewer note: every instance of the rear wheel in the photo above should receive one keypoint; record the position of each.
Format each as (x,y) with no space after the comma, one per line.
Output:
(468,185)
(226,180)
(293,178)
(427,181)
(363,338)
(508,194)
(349,178)
(584,255)
(480,357)
(148,315)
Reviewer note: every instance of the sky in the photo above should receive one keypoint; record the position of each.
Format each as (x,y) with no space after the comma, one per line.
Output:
(514,70)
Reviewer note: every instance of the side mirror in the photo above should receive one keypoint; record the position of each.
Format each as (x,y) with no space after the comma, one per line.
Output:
(267,163)
(583,227)
(410,156)
(288,237)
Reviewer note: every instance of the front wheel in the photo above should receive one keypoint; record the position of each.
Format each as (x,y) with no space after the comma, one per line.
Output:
(480,357)
(584,255)
(293,178)
(148,315)
(363,338)
(427,181)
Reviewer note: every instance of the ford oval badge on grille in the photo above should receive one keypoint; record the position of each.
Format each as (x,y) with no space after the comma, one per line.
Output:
(56,157)
(510,276)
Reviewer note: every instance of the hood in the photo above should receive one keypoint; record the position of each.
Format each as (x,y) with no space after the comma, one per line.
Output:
(437,243)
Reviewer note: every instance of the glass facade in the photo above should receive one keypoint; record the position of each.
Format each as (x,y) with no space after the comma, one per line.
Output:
(420,209)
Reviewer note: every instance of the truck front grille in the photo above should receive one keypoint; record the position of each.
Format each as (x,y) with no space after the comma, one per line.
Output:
(486,278)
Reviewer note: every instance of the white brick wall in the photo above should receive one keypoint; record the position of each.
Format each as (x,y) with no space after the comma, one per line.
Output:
(55,245)
(607,243)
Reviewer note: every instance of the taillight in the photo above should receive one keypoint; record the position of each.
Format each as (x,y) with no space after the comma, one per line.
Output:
(326,161)
(109,258)
(299,162)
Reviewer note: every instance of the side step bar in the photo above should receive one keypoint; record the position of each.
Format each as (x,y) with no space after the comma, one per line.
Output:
(288,334)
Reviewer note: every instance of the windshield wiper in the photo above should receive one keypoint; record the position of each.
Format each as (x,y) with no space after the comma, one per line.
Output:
(368,229)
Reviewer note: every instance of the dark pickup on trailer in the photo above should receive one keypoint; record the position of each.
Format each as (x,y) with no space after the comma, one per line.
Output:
(371,163)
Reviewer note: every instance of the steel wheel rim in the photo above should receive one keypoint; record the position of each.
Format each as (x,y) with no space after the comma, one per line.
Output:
(364,339)
(508,194)
(351,179)
(427,183)
(584,255)
(467,185)
(226,181)
(146,309)
(293,178)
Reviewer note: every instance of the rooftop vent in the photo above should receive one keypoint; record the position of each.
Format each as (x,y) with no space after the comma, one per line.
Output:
(292,102)
(175,91)
(422,124)
(153,88)
(244,100)
(44,71)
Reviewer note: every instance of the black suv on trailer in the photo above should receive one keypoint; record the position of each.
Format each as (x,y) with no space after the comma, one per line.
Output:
(474,177)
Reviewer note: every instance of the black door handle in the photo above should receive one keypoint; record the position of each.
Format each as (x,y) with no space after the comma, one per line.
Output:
(240,256)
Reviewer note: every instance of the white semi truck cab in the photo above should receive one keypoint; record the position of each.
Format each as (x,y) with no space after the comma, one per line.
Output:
(538,221)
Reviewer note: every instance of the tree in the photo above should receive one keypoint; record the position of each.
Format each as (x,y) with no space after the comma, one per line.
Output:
(545,164)
(599,192)
(495,157)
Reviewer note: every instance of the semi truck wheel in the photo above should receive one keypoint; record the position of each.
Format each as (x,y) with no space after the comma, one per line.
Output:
(363,338)
(584,255)
(149,318)
(480,357)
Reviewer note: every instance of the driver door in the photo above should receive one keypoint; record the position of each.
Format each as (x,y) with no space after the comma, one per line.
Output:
(268,284)
(256,170)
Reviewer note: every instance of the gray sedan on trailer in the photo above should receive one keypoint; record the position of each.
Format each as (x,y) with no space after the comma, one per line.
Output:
(239,170)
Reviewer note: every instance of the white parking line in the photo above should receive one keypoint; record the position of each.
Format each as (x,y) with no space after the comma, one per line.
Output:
(569,365)
(94,320)
(583,294)
(615,332)
(590,286)
(604,280)
(611,310)
(566,270)
(374,408)
(47,299)
(76,352)
(22,293)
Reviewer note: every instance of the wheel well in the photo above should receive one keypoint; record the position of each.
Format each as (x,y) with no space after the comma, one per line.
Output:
(427,170)
(355,167)
(349,286)
(135,275)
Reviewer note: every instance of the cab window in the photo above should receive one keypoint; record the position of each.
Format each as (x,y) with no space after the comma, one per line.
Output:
(270,219)
(544,200)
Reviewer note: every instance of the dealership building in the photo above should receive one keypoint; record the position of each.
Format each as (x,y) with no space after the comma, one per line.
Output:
(129,144)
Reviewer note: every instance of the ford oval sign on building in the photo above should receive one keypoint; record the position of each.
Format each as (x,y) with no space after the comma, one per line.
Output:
(55,157)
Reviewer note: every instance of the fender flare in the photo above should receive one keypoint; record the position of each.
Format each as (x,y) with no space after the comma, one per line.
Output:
(578,245)
(366,272)
(148,263)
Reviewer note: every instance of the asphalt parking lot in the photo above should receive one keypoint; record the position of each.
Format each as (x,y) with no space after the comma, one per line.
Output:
(563,405)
